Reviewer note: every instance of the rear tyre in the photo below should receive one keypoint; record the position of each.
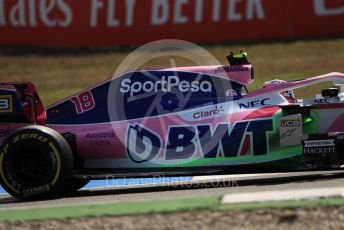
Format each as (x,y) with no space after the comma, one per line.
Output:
(36,163)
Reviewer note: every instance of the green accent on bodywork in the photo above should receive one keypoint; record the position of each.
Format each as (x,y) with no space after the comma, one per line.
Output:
(307,120)
(276,152)
(249,159)
(286,156)
(311,127)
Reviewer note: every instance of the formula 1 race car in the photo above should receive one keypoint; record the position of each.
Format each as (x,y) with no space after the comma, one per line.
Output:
(167,121)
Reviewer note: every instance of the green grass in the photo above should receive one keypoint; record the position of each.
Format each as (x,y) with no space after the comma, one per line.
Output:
(110,209)
(62,72)
(158,206)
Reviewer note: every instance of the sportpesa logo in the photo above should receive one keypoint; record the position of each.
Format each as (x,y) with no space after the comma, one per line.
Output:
(165,84)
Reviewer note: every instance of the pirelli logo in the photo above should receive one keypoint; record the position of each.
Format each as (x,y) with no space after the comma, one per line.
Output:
(6,104)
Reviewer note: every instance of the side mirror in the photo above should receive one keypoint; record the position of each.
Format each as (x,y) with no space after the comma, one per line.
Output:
(330,92)
(238,58)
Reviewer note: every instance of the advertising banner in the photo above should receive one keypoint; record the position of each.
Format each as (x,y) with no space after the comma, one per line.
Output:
(134,22)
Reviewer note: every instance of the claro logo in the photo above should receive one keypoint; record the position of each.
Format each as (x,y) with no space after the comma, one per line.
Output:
(165,84)
(209,113)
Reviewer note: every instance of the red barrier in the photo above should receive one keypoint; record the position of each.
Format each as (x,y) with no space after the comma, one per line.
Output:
(127,22)
(317,17)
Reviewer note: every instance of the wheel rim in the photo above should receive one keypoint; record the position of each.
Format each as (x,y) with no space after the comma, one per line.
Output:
(31,166)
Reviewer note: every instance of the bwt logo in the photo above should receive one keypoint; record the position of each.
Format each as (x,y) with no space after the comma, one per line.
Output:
(142,144)
(183,141)
(165,84)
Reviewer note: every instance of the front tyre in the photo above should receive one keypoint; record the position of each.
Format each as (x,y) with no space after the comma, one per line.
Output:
(36,162)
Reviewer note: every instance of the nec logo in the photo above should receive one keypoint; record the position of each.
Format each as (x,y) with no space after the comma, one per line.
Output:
(254,104)
(321,101)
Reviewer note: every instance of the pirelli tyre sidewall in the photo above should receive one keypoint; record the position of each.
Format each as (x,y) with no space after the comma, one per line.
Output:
(36,162)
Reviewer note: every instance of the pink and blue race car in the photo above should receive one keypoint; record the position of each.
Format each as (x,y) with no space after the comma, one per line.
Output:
(167,121)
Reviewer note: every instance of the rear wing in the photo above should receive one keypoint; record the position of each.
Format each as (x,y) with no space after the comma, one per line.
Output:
(20,103)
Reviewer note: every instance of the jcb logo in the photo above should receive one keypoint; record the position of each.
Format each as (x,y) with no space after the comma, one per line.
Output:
(5,103)
(287,123)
